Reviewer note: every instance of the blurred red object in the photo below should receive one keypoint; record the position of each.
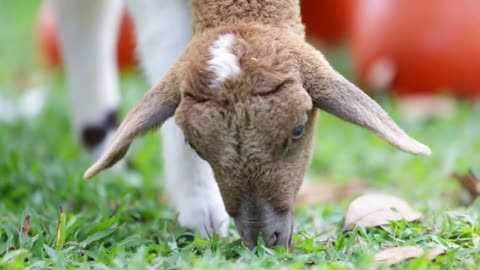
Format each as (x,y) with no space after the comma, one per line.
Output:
(47,38)
(327,20)
(418,47)
(46,35)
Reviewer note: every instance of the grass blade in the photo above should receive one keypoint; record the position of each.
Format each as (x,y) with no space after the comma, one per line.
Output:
(61,233)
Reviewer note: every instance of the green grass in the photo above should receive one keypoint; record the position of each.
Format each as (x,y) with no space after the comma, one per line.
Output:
(117,220)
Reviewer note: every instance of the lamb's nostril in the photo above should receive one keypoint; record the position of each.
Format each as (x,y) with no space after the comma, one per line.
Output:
(249,244)
(272,239)
(276,237)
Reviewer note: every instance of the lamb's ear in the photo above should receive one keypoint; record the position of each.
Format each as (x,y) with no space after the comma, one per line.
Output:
(331,92)
(158,104)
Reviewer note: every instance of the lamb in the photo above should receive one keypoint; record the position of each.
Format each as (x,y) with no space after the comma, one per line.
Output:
(245,93)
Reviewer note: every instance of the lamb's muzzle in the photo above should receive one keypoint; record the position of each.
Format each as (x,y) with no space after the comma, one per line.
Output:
(276,228)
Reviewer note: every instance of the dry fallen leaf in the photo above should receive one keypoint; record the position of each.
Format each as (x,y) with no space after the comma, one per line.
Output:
(376,209)
(311,194)
(434,253)
(391,256)
(470,183)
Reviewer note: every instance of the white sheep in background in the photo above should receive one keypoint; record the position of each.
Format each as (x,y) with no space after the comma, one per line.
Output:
(244,93)
(163,28)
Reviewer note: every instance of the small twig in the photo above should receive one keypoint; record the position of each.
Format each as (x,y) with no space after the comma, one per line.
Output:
(26,226)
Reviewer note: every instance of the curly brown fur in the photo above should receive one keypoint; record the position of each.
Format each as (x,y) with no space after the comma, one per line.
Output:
(281,14)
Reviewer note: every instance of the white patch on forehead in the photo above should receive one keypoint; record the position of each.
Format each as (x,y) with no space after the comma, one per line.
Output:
(224,62)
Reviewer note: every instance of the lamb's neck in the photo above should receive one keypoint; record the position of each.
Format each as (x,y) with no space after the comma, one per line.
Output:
(208,14)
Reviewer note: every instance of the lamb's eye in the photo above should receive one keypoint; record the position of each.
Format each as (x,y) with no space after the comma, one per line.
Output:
(298,132)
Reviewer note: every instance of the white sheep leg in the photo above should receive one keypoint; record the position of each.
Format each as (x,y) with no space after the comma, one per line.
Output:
(191,185)
(88,32)
(163,29)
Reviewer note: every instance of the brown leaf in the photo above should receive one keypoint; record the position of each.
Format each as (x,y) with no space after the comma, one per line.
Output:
(311,194)
(391,256)
(434,253)
(373,210)
(26,225)
(469,182)
(348,191)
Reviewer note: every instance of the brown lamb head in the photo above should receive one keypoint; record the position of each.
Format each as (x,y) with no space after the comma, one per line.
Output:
(246,100)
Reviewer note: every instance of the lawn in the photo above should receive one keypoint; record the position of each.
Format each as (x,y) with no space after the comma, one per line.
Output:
(118,219)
